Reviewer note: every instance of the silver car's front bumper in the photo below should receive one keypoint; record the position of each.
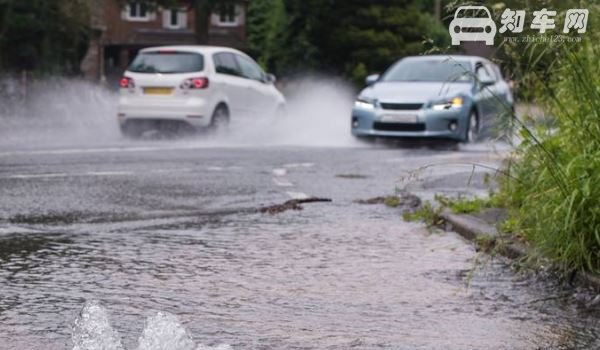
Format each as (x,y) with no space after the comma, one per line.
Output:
(451,123)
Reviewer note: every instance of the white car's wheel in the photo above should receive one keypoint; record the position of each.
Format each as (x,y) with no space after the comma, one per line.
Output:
(130,130)
(220,118)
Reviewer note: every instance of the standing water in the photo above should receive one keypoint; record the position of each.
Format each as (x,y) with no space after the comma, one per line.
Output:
(295,281)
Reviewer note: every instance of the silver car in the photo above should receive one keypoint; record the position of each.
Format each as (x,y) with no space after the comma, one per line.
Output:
(451,97)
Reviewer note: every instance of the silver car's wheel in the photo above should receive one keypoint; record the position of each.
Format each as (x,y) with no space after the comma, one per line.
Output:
(472,128)
(220,118)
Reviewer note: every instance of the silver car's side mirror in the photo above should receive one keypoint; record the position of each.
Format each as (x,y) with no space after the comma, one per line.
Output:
(270,79)
(372,79)
(486,82)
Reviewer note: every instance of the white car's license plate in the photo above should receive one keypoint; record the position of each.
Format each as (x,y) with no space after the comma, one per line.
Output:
(399,118)
(158,90)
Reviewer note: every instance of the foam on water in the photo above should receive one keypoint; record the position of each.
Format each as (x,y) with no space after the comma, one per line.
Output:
(163,331)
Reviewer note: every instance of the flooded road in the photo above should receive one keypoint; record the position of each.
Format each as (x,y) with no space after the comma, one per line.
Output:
(149,228)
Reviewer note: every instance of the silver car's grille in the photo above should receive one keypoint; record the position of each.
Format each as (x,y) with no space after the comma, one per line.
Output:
(406,127)
(401,106)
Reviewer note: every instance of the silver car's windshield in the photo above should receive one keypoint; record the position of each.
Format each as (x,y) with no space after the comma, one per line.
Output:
(449,70)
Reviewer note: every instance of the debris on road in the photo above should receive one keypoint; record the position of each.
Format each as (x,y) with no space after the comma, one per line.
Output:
(294,204)
(407,201)
(371,201)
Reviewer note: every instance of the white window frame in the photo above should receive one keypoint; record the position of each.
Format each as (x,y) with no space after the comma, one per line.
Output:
(181,19)
(235,23)
(126,15)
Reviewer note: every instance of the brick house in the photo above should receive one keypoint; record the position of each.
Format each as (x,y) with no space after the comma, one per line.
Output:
(119,32)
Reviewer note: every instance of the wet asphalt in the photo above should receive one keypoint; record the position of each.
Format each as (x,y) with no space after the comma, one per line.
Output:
(164,178)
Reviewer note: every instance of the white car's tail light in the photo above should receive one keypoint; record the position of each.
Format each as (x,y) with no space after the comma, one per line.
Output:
(127,83)
(194,84)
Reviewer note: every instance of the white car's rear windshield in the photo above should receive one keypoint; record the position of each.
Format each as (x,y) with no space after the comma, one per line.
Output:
(167,62)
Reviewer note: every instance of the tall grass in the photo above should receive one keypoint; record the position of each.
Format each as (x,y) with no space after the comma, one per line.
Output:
(554,189)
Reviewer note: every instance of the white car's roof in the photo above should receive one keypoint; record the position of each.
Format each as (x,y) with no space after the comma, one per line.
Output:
(193,48)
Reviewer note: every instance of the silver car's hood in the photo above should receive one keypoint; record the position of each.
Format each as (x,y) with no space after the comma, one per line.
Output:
(414,92)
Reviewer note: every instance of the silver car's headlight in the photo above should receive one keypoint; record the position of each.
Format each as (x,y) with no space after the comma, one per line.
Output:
(456,102)
(363,103)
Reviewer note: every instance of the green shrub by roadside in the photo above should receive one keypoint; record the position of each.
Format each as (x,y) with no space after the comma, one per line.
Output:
(553,194)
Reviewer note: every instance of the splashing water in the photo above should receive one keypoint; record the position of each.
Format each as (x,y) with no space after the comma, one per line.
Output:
(57,111)
(92,330)
(317,114)
(60,112)
(163,331)
(218,347)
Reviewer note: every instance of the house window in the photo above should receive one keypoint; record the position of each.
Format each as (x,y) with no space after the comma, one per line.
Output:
(175,19)
(137,12)
(228,14)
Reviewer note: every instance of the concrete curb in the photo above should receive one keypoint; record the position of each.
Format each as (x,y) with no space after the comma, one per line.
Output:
(472,228)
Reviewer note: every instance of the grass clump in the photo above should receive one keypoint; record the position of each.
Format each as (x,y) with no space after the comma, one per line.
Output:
(392,201)
(428,214)
(470,205)
(485,243)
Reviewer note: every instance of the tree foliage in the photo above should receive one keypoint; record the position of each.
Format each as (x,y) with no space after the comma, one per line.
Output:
(350,37)
(267,21)
(43,36)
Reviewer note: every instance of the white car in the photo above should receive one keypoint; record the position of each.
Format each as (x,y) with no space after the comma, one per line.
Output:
(193,87)
(472,23)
